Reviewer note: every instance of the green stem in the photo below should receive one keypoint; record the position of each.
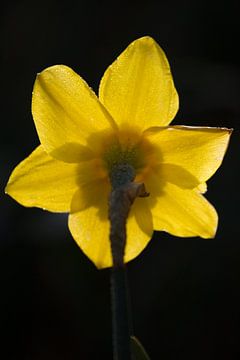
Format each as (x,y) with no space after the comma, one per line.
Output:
(120,315)
(124,191)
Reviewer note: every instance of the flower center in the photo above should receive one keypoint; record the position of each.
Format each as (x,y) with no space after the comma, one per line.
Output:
(117,154)
(127,153)
(123,148)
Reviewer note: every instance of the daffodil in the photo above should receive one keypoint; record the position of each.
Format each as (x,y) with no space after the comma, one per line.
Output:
(84,136)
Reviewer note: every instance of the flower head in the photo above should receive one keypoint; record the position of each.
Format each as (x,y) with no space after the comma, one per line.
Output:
(84,137)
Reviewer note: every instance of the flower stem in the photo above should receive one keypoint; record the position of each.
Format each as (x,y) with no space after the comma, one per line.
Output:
(124,192)
(120,315)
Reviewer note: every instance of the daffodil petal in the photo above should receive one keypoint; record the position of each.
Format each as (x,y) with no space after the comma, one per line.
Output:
(139,228)
(138,88)
(177,175)
(91,228)
(65,110)
(73,153)
(43,181)
(202,188)
(199,150)
(184,212)
(155,181)
(91,233)
(93,193)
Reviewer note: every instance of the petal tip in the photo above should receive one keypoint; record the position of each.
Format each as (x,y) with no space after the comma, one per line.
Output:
(102,266)
(145,40)
(54,69)
(7,189)
(211,232)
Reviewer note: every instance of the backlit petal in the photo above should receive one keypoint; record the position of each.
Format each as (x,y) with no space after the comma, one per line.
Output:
(198,150)
(184,212)
(93,193)
(66,110)
(177,175)
(44,182)
(174,174)
(90,228)
(138,88)
(139,228)
(91,232)
(202,188)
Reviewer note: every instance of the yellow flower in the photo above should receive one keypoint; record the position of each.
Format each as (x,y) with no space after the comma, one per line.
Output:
(82,137)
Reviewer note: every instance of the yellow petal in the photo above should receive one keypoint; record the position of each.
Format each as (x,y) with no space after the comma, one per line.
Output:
(198,150)
(44,182)
(202,188)
(93,193)
(139,228)
(90,228)
(66,110)
(177,175)
(138,88)
(91,233)
(184,212)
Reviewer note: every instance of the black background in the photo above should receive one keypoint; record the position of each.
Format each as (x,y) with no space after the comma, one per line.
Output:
(185,292)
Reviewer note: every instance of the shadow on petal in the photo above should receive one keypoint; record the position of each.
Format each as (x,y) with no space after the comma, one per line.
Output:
(178,176)
(72,152)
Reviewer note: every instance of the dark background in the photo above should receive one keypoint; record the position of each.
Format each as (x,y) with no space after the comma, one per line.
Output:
(185,292)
